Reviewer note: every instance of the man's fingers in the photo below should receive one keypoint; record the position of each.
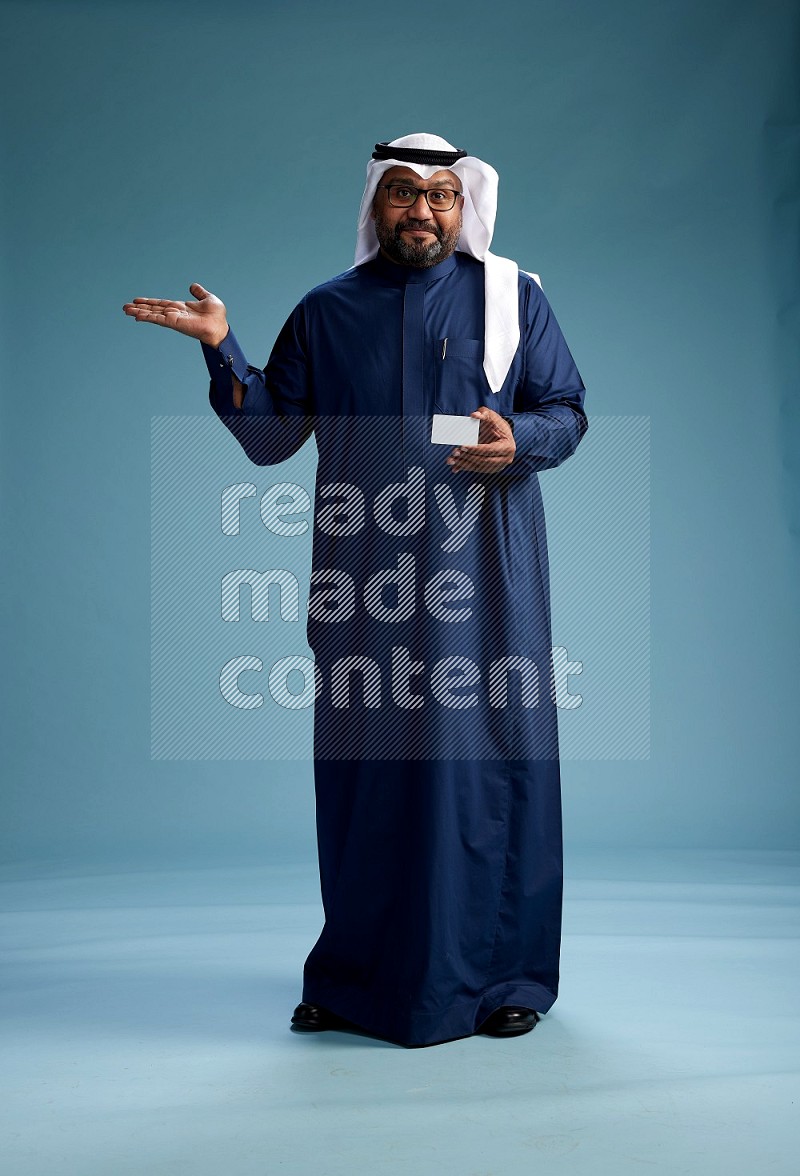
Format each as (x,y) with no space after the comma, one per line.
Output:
(148,316)
(483,454)
(482,458)
(498,448)
(160,303)
(198,291)
(479,464)
(137,311)
(161,315)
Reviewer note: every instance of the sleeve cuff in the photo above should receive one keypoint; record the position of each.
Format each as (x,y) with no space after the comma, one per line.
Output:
(543,441)
(226,358)
(526,432)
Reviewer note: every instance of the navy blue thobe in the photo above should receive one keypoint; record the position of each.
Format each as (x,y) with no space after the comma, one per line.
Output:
(436,764)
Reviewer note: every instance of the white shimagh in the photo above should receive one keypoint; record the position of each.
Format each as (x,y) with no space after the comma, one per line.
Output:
(479,182)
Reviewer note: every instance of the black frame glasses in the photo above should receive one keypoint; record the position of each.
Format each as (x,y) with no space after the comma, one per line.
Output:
(426,192)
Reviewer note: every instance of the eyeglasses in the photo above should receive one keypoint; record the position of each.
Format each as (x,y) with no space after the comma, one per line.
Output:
(404,196)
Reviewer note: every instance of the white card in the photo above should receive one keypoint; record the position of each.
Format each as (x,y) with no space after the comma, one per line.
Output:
(454,430)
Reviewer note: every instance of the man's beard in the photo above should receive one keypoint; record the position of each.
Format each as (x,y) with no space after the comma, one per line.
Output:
(416,251)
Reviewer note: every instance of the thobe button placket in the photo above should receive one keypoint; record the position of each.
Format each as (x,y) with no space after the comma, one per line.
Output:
(413,361)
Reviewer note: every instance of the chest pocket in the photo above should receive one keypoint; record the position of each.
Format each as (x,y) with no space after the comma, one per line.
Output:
(461,385)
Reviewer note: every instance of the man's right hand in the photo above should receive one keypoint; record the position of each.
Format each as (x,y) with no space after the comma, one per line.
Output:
(205,320)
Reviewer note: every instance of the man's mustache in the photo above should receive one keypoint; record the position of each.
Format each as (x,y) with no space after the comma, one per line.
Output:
(427,226)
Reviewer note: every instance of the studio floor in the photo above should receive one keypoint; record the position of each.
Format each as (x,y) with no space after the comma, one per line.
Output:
(146,1029)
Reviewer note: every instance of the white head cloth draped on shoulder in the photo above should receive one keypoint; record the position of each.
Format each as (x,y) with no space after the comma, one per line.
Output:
(427,154)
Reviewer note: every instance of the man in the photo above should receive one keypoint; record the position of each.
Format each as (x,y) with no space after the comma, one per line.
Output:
(435,736)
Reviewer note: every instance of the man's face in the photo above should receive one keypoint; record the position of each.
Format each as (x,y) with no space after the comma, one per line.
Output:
(419,235)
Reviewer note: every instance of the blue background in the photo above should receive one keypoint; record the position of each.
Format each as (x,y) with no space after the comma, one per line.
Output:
(647,156)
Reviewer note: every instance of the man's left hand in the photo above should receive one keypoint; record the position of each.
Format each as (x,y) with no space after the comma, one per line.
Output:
(495,449)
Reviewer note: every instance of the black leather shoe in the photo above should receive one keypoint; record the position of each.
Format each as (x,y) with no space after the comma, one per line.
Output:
(313,1018)
(509,1021)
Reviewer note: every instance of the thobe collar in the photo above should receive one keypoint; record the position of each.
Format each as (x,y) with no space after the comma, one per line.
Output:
(409,275)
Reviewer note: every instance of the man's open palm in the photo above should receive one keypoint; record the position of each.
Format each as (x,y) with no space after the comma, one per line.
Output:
(205,319)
